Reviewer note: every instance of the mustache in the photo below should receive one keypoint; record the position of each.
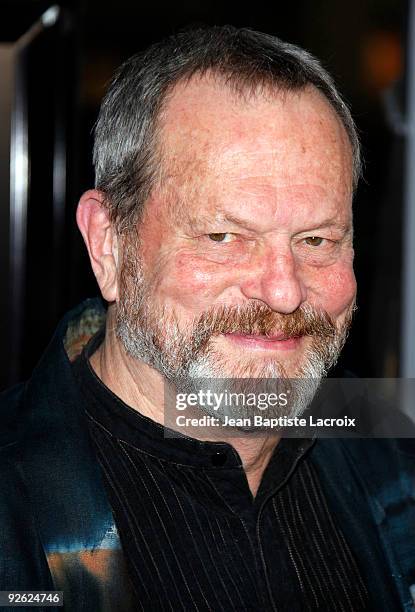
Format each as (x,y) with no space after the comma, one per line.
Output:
(256,318)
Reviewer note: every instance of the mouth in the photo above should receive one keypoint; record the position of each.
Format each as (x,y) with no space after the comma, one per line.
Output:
(257,341)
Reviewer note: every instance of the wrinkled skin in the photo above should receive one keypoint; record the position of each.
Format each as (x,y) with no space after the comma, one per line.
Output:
(255,206)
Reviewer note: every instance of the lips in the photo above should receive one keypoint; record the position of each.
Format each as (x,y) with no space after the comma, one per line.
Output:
(270,338)
(276,341)
(273,338)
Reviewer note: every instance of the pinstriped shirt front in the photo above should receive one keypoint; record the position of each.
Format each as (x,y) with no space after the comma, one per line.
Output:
(194,538)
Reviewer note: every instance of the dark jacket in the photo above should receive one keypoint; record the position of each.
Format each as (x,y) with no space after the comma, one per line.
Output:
(57,530)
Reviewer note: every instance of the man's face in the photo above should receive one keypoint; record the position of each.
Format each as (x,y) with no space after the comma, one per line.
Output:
(243,263)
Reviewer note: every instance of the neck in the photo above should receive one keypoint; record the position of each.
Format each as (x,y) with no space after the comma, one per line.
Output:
(142,388)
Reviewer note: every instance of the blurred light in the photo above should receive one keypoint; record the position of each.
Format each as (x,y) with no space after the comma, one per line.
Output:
(50,17)
(382,60)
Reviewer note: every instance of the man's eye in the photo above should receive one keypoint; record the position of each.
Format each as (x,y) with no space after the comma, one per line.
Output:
(220,237)
(314,241)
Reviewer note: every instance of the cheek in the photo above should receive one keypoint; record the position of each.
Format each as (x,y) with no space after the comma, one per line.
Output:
(334,289)
(192,282)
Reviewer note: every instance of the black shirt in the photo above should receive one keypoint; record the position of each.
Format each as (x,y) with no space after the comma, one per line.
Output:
(193,535)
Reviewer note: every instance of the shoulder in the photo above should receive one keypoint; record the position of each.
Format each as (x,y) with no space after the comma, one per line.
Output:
(22,561)
(385,455)
(385,467)
(379,453)
(12,415)
(387,463)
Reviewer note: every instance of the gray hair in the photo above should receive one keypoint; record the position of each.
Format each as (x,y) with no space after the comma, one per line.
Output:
(125,148)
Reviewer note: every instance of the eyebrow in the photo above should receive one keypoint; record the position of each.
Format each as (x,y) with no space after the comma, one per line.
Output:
(222,216)
(345,227)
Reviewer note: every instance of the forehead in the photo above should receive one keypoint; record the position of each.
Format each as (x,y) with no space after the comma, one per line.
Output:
(214,139)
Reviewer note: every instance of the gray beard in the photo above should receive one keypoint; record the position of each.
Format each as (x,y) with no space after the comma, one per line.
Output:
(152,335)
(164,348)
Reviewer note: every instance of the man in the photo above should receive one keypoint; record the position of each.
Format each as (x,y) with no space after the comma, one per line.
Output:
(220,234)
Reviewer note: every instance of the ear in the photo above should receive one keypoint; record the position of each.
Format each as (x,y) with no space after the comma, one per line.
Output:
(101,241)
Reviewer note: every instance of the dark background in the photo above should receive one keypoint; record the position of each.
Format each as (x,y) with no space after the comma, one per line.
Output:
(362,43)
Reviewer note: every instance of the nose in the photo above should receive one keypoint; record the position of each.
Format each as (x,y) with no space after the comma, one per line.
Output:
(276,282)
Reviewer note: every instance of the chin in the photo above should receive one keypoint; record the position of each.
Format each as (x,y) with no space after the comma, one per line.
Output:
(259,364)
(221,366)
